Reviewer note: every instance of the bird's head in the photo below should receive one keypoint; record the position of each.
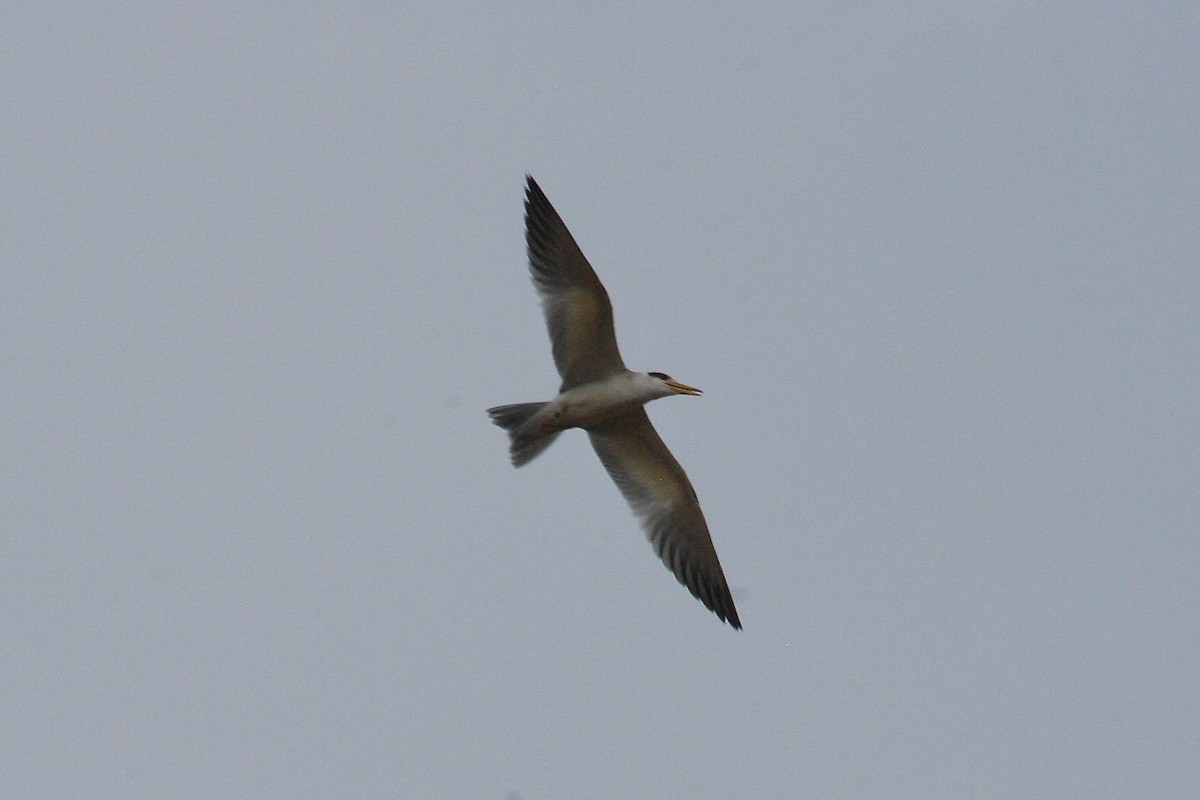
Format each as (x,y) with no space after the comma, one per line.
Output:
(671,386)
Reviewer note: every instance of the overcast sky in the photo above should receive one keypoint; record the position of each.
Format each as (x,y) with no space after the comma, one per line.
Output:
(262,269)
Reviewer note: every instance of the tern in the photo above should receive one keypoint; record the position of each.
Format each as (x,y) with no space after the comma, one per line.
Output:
(601,396)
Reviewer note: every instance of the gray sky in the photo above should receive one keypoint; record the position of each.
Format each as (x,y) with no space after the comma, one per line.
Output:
(262,269)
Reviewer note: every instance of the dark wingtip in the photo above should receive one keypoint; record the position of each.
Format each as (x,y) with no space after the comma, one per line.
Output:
(733,620)
(534,196)
(718,599)
(715,595)
(722,605)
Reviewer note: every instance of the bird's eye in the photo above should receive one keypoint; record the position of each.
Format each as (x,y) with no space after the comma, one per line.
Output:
(662,376)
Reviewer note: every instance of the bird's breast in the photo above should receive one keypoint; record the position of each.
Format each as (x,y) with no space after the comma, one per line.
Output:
(593,403)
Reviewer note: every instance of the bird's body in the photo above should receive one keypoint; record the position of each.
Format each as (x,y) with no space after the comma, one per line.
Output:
(601,396)
(591,404)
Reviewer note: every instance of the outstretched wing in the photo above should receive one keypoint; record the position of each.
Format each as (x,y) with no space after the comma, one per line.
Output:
(661,495)
(578,312)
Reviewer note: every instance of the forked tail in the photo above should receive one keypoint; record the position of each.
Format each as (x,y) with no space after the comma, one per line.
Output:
(527,440)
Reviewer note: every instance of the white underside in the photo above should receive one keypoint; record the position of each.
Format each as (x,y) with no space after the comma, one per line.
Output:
(593,403)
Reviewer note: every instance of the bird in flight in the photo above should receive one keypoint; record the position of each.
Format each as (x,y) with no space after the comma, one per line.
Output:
(601,396)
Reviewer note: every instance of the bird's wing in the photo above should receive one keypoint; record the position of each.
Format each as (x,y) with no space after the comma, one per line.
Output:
(578,312)
(661,495)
